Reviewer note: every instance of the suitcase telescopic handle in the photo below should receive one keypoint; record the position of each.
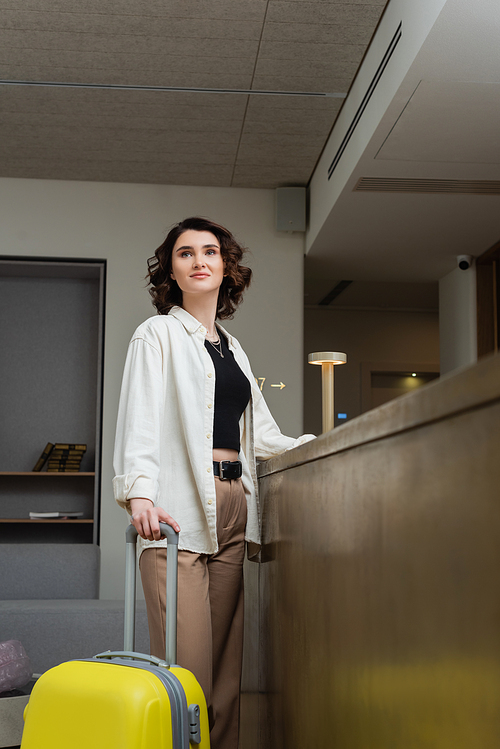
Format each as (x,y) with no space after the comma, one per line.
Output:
(130,590)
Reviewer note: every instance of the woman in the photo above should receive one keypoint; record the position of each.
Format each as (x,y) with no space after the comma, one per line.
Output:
(191,423)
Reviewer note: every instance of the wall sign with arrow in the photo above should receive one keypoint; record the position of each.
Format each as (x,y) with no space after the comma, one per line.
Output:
(261,380)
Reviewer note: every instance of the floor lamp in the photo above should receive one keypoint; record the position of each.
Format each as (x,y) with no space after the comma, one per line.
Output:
(328,360)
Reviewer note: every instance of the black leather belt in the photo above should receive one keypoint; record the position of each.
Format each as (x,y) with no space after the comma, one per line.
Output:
(228,469)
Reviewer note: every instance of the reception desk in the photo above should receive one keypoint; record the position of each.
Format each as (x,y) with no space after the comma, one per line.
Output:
(379,582)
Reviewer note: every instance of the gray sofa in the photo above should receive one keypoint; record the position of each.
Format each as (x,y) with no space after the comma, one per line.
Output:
(49,601)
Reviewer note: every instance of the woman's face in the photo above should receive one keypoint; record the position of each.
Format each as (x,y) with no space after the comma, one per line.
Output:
(197,263)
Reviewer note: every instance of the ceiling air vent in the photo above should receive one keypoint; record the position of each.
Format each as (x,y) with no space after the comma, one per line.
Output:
(366,98)
(434,186)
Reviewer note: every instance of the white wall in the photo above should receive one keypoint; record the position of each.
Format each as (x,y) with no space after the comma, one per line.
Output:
(124,224)
(458,319)
(365,336)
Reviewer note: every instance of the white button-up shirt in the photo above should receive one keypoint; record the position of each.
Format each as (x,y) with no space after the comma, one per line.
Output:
(163,447)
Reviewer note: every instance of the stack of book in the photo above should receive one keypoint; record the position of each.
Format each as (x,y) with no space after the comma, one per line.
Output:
(61,457)
(65,457)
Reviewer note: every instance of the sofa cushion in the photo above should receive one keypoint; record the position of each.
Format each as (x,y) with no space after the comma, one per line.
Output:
(61,630)
(49,571)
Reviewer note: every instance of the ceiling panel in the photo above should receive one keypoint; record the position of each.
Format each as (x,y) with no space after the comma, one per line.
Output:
(177,138)
(110,139)
(126,69)
(138,123)
(318,51)
(132,25)
(305,68)
(294,106)
(324,12)
(226,9)
(186,107)
(309,128)
(304,83)
(152,45)
(133,76)
(315,32)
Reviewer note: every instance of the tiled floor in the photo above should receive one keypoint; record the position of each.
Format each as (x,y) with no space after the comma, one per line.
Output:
(12,705)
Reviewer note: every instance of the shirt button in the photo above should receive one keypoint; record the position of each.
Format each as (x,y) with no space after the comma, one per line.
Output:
(209,374)
(209,470)
(209,405)
(208,436)
(209,501)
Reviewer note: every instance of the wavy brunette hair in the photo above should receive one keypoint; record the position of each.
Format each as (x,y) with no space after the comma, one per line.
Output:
(166,292)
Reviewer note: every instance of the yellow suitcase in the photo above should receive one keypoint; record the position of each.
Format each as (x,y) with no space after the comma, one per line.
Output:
(121,699)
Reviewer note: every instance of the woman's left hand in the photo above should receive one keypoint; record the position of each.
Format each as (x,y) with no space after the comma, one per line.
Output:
(146,519)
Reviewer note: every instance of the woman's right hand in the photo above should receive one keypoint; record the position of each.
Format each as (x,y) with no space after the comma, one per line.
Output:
(146,519)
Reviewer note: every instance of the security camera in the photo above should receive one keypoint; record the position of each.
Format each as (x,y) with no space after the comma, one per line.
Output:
(464,261)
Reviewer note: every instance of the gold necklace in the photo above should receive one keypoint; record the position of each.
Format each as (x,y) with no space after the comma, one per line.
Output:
(216,343)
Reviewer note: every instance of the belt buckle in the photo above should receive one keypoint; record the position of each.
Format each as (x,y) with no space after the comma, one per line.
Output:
(222,469)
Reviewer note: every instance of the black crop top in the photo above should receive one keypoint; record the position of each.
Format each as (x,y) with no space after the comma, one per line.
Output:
(232,393)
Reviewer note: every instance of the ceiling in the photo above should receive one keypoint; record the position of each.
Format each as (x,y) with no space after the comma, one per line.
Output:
(425,185)
(169,137)
(441,124)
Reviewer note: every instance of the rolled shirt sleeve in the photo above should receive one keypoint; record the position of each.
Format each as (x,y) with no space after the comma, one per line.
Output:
(136,457)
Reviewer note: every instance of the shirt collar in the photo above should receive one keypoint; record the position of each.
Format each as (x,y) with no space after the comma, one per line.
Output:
(193,325)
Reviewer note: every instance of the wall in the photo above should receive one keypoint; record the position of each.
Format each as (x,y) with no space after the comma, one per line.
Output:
(458,319)
(123,224)
(365,336)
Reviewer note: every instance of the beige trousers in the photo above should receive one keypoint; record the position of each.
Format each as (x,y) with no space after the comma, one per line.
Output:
(209,613)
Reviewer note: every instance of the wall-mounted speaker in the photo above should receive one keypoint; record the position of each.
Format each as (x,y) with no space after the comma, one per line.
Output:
(290,209)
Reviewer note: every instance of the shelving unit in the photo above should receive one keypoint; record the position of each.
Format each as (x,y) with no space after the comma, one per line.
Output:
(52,325)
(45,521)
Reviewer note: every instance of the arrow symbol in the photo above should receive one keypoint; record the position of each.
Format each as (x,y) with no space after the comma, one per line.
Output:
(280,386)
